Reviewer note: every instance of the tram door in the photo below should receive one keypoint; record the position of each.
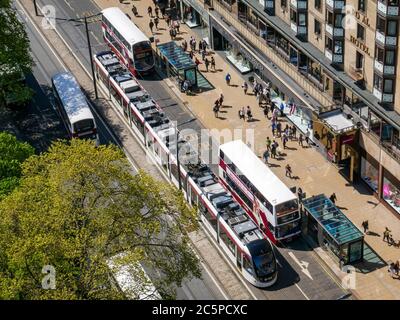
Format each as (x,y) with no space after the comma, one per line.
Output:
(239,258)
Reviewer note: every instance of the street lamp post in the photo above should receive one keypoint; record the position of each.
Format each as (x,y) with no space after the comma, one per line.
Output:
(177,151)
(36,9)
(91,58)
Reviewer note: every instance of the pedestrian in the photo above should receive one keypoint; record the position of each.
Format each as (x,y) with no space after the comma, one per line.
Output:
(392,270)
(194,44)
(273,128)
(221,99)
(200,46)
(365,226)
(150,11)
(151,25)
(268,143)
(156,21)
(203,55)
(212,63)
(301,140)
(134,10)
(266,110)
(196,61)
(397,267)
(228,79)
(294,131)
(308,137)
(266,156)
(245,87)
(284,141)
(156,10)
(279,128)
(184,45)
(273,149)
(300,193)
(216,109)
(386,234)
(288,171)
(177,26)
(207,63)
(333,198)
(249,115)
(167,20)
(191,54)
(171,33)
(241,113)
(205,46)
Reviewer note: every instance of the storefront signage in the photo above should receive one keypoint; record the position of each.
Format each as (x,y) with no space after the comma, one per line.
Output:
(360,45)
(348,139)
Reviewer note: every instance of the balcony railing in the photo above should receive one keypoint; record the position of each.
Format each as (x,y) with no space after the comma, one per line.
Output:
(383,69)
(275,58)
(388,10)
(385,40)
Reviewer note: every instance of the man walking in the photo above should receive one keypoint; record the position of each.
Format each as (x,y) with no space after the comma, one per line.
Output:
(245,87)
(333,198)
(212,63)
(386,234)
(301,140)
(268,143)
(273,149)
(365,226)
(156,10)
(221,100)
(156,20)
(151,25)
(228,79)
(150,11)
(288,171)
(266,156)
(207,63)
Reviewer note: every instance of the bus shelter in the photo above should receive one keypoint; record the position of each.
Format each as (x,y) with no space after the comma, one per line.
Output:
(177,63)
(327,225)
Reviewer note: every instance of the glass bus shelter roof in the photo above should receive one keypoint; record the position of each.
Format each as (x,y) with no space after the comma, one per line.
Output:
(335,223)
(175,55)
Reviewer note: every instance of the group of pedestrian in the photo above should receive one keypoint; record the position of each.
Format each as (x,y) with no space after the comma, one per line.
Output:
(394,269)
(272,147)
(305,138)
(243,112)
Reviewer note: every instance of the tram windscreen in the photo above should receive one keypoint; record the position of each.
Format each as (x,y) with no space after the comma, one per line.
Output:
(264,260)
(143,55)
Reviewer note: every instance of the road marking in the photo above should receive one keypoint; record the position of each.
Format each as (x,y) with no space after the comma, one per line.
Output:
(94,36)
(303,265)
(298,287)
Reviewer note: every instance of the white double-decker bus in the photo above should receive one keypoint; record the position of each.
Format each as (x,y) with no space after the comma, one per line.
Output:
(267,200)
(127,41)
(73,107)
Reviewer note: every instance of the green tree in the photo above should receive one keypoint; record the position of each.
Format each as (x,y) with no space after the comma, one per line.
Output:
(15,58)
(12,154)
(79,205)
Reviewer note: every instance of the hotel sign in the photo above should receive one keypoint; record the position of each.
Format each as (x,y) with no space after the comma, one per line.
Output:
(359,44)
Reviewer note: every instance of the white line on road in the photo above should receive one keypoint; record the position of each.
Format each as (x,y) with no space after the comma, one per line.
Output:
(302,264)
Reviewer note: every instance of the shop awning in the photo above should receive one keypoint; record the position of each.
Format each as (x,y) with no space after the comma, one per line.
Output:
(337,121)
(176,57)
(332,220)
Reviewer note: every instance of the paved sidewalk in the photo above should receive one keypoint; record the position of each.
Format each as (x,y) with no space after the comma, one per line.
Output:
(315,174)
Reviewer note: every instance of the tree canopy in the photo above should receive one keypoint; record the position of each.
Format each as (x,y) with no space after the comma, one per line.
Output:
(15,58)
(13,153)
(79,205)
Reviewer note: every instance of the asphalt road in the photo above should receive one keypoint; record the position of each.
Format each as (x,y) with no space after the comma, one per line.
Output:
(46,65)
(295,280)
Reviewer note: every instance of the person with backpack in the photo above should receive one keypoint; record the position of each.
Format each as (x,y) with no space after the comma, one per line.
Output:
(228,79)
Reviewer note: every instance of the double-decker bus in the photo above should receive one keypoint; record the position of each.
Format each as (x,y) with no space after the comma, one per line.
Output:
(127,41)
(238,236)
(73,107)
(267,200)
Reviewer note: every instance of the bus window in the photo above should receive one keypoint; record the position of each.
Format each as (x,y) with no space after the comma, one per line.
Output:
(286,206)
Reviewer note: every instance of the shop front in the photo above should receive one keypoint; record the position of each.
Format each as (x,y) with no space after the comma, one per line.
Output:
(336,138)
(369,171)
(391,190)
(332,230)
(194,15)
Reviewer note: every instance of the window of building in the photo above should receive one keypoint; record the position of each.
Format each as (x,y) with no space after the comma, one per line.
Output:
(328,43)
(392,28)
(388,86)
(378,82)
(379,54)
(317,4)
(391,190)
(314,70)
(370,172)
(390,57)
(283,3)
(362,5)
(380,24)
(317,27)
(339,20)
(302,19)
(293,16)
(360,32)
(359,60)
(338,47)
(329,17)
(282,44)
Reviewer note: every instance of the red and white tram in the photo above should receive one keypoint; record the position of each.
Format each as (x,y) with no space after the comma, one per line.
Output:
(267,200)
(127,41)
(236,234)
